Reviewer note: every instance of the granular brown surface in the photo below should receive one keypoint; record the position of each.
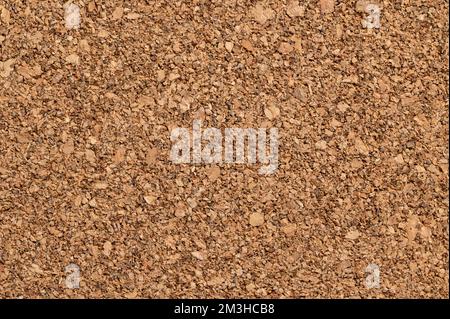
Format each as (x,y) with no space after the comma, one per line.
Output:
(85,174)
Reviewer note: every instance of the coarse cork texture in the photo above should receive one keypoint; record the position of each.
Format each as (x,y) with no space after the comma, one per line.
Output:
(90,91)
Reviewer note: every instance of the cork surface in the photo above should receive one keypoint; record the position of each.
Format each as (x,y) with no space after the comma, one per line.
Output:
(90,91)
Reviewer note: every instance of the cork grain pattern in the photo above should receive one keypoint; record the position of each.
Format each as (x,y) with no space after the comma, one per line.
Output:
(90,91)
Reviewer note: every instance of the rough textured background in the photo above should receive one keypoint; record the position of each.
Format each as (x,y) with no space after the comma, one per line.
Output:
(85,175)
